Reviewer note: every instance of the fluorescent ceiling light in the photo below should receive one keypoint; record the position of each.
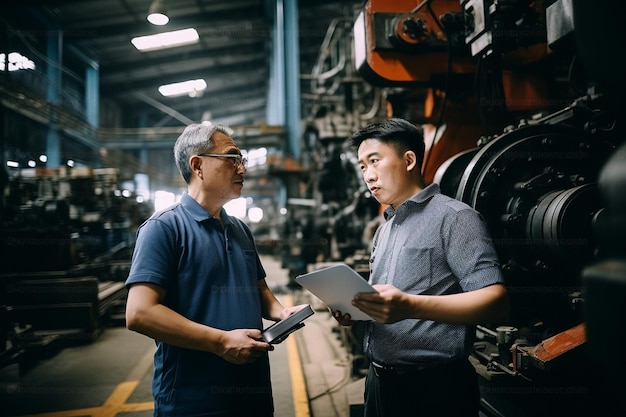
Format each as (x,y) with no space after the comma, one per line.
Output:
(166,40)
(191,87)
(157,14)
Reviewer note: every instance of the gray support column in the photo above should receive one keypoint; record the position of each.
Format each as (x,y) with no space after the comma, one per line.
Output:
(92,102)
(283,106)
(144,157)
(53,71)
(276,95)
(292,77)
(92,95)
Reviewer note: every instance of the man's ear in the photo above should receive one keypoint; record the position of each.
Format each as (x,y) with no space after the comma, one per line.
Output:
(195,162)
(411,160)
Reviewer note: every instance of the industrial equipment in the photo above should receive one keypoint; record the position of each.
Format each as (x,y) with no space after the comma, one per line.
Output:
(65,239)
(521,105)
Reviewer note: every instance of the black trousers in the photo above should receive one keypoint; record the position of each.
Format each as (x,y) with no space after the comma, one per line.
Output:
(448,390)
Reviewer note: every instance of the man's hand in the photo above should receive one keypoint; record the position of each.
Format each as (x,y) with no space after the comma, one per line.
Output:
(291,310)
(343,319)
(387,305)
(243,346)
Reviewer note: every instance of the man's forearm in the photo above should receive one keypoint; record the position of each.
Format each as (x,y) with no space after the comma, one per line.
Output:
(486,305)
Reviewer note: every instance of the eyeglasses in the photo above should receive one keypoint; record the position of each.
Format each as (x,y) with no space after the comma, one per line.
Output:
(238,160)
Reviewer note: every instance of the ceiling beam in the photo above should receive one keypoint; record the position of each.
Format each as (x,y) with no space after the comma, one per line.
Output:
(221,51)
(214,79)
(232,20)
(157,70)
(162,107)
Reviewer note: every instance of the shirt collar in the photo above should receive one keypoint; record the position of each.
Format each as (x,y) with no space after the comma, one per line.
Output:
(198,212)
(419,199)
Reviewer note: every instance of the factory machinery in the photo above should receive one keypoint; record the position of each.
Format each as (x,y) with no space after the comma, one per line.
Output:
(521,107)
(66,237)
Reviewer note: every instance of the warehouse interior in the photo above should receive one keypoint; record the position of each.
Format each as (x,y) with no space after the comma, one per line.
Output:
(522,106)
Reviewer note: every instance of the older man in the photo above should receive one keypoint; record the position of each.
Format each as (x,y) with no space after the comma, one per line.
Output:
(197,286)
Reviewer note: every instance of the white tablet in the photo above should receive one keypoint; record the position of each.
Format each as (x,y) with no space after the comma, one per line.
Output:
(336,286)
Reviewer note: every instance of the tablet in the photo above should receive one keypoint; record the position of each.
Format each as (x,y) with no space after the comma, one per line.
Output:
(336,286)
(279,331)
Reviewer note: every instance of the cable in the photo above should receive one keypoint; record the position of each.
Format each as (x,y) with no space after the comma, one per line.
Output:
(342,382)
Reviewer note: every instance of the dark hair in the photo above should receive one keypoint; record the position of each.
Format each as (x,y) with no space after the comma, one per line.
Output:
(396,132)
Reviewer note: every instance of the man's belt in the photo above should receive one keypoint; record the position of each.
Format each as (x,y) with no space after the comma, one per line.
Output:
(390,370)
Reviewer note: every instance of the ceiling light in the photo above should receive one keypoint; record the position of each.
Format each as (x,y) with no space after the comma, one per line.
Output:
(157,13)
(191,87)
(15,62)
(166,39)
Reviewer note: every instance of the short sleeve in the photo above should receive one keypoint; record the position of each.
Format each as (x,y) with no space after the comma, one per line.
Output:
(155,255)
(470,251)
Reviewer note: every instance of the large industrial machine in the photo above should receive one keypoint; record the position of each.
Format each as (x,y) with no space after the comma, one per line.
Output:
(520,102)
(66,237)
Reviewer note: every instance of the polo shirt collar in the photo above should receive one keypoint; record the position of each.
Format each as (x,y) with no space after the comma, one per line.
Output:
(198,212)
(419,199)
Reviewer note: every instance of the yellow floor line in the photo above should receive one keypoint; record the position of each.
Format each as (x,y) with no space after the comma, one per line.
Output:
(117,400)
(298,384)
(116,403)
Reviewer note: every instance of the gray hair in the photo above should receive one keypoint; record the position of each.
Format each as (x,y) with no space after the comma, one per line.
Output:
(196,138)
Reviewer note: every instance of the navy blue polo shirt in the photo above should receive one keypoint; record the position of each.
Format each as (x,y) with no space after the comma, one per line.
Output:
(210,275)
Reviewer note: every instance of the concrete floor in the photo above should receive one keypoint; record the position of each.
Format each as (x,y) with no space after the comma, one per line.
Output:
(111,376)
